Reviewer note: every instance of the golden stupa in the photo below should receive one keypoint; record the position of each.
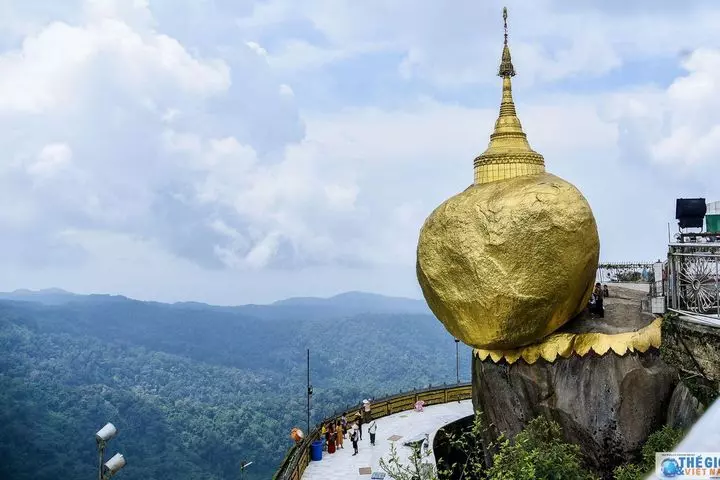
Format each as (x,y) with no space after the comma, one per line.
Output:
(513,257)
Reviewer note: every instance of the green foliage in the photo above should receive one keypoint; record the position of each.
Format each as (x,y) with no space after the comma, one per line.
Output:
(470,443)
(630,471)
(538,453)
(418,467)
(193,390)
(664,440)
(675,352)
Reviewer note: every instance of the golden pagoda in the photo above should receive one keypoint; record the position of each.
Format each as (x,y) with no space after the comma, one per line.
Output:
(513,257)
(509,154)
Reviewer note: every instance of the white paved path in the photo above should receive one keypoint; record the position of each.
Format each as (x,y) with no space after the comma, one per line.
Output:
(342,465)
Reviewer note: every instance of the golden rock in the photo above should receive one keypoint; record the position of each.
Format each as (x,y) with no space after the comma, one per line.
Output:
(513,257)
(505,263)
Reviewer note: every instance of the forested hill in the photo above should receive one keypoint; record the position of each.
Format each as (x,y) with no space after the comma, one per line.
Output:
(195,389)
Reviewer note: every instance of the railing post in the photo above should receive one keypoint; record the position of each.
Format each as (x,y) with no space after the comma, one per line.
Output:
(717,287)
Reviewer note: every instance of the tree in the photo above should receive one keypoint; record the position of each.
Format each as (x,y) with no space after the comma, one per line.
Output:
(664,440)
(538,453)
(470,445)
(418,467)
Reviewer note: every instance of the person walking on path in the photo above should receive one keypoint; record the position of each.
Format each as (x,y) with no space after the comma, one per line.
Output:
(359,422)
(367,411)
(340,434)
(354,436)
(331,438)
(372,428)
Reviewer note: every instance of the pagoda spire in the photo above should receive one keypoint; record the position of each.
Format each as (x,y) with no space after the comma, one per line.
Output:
(506,66)
(509,154)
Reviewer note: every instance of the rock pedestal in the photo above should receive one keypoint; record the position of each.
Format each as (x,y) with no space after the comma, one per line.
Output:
(607,404)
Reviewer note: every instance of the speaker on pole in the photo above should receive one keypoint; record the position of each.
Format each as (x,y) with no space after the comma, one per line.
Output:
(690,212)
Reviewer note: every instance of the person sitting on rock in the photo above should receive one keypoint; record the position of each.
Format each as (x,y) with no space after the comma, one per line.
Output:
(596,302)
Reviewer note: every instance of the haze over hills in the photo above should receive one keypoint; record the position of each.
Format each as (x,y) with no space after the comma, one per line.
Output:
(359,301)
(195,388)
(348,302)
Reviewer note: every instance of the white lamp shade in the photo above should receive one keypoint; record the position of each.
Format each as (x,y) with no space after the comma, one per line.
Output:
(114,464)
(107,432)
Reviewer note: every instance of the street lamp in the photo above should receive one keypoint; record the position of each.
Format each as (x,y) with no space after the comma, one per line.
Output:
(309,393)
(243,466)
(457,360)
(107,469)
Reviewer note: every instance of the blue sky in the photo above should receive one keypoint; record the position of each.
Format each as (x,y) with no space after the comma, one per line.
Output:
(245,151)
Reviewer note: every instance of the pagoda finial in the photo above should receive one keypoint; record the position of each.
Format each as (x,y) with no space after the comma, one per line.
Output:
(506,66)
(505,22)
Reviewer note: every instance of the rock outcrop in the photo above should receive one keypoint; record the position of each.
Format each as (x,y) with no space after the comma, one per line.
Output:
(684,408)
(607,404)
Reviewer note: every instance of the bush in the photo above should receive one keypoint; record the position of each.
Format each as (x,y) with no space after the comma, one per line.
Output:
(629,472)
(664,440)
(538,453)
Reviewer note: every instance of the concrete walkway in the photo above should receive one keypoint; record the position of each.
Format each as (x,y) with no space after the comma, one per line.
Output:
(399,427)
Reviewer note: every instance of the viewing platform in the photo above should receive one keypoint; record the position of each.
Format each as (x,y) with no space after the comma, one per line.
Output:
(398,428)
(397,422)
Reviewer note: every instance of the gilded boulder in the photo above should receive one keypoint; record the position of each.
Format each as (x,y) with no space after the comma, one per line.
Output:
(505,263)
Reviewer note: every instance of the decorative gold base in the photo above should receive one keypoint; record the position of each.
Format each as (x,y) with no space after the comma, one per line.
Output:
(566,344)
(487,173)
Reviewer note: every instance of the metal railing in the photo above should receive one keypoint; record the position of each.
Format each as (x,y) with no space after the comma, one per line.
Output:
(694,279)
(298,457)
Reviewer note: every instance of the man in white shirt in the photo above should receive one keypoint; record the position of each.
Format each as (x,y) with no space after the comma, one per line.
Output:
(372,428)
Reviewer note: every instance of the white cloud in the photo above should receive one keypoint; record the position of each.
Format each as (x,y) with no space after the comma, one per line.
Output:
(52,68)
(108,86)
(677,128)
(550,39)
(255,47)
(52,158)
(177,158)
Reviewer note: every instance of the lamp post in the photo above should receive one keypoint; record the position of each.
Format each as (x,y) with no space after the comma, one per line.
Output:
(243,466)
(107,469)
(457,360)
(309,393)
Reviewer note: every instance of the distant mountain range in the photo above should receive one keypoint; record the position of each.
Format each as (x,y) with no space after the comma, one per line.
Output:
(193,388)
(349,303)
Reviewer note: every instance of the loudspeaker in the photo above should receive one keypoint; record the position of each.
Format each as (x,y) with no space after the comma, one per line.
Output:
(690,212)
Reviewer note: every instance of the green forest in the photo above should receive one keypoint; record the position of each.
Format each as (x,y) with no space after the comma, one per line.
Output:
(195,389)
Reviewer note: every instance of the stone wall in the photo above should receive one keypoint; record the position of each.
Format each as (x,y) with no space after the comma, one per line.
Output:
(694,350)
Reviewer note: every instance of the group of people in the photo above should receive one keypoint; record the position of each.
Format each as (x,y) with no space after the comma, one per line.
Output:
(596,300)
(333,433)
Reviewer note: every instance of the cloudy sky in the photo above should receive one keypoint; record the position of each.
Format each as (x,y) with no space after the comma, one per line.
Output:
(235,151)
